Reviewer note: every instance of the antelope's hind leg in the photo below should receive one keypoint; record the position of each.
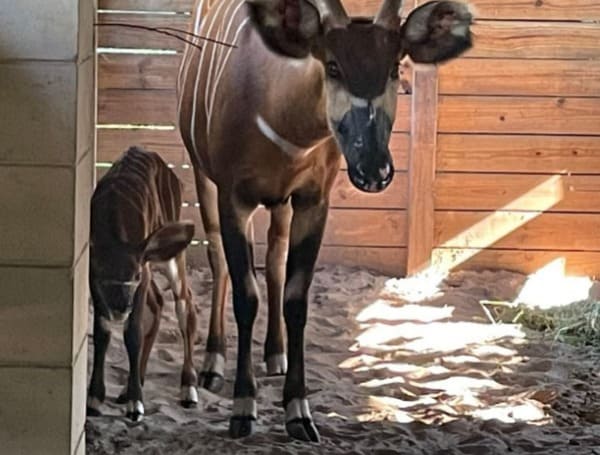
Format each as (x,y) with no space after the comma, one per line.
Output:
(212,376)
(278,240)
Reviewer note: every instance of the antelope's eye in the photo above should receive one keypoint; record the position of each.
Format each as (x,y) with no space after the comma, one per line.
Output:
(395,73)
(332,70)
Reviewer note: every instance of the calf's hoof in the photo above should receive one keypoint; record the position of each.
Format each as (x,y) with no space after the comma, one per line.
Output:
(212,381)
(189,396)
(241,426)
(276,365)
(299,423)
(135,411)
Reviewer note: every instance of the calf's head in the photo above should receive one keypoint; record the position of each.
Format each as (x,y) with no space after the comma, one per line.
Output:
(116,268)
(360,59)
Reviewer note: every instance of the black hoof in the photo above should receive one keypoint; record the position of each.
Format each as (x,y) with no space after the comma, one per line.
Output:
(122,399)
(188,404)
(211,381)
(92,412)
(241,426)
(134,416)
(303,429)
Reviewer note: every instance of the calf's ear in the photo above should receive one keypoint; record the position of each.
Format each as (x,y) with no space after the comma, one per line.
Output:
(168,241)
(437,31)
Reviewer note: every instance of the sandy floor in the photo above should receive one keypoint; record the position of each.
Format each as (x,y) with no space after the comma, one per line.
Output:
(393,367)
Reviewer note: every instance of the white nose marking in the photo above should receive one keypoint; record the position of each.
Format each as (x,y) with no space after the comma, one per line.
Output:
(359,102)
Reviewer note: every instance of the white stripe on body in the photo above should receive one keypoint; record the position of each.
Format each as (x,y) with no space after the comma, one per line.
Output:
(287,147)
(225,38)
(197,81)
(220,74)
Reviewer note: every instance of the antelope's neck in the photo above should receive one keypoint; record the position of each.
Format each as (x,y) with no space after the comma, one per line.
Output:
(293,115)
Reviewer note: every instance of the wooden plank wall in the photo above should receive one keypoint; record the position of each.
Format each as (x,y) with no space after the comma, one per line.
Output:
(517,181)
(507,177)
(136,87)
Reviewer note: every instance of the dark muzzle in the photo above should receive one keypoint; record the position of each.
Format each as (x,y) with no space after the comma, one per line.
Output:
(363,135)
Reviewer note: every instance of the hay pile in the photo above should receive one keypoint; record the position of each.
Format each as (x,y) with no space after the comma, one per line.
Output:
(577,323)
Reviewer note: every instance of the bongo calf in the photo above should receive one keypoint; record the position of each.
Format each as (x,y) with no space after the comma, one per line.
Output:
(135,213)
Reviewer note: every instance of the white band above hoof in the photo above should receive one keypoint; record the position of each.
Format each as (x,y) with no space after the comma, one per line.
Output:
(245,407)
(135,408)
(214,363)
(276,364)
(297,409)
(188,394)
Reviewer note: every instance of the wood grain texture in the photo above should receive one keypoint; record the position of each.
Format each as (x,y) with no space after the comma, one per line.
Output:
(147,5)
(493,76)
(560,10)
(550,193)
(505,153)
(532,40)
(353,7)
(132,71)
(518,230)
(522,115)
(422,168)
(123,37)
(111,143)
(390,261)
(137,107)
(583,263)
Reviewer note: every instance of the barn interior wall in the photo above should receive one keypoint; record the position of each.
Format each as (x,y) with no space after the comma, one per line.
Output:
(47,139)
(497,162)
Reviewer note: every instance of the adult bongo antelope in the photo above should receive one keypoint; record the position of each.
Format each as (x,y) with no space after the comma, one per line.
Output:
(264,123)
(135,221)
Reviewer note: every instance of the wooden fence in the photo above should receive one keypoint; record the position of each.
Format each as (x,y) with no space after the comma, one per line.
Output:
(497,153)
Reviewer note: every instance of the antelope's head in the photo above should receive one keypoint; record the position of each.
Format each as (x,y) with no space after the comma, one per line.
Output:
(116,268)
(360,58)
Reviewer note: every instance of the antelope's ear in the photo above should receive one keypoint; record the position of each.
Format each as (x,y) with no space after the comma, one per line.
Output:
(437,31)
(288,27)
(168,241)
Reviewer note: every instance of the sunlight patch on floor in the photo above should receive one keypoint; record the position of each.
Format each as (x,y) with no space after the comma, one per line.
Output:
(418,363)
(550,287)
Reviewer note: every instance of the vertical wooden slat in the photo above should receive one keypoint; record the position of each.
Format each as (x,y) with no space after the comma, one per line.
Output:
(421,167)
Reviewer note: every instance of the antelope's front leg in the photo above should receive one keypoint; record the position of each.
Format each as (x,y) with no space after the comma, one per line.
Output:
(308,224)
(133,343)
(238,251)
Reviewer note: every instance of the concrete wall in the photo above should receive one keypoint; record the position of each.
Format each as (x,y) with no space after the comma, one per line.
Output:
(47,113)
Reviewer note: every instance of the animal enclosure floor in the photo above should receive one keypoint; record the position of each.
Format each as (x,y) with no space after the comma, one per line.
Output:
(393,366)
